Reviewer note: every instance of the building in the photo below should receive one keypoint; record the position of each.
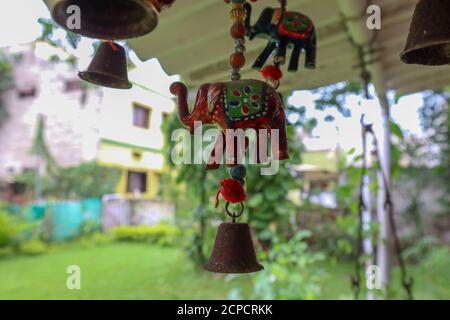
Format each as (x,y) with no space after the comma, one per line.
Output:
(120,128)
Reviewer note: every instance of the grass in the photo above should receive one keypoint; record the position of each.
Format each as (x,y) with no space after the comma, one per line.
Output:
(140,271)
(431,279)
(113,271)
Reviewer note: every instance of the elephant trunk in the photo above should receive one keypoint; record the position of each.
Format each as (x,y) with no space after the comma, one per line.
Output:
(180,91)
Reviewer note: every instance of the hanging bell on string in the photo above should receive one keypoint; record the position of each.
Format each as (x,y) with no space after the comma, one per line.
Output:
(108,68)
(429,36)
(233,250)
(106,19)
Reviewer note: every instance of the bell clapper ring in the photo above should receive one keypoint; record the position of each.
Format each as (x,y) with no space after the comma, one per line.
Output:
(235,215)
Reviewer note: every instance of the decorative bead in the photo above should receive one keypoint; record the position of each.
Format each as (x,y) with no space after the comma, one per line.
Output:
(237,60)
(238,172)
(240,49)
(235,76)
(238,30)
(239,41)
(237,13)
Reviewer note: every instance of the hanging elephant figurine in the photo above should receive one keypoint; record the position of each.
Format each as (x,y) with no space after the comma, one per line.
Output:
(243,104)
(161,5)
(283,29)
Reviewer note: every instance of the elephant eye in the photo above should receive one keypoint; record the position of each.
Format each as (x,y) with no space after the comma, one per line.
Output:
(247,89)
(235,103)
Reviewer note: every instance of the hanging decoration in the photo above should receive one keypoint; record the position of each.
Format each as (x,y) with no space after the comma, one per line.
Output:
(108,68)
(406,281)
(429,35)
(110,19)
(283,29)
(237,104)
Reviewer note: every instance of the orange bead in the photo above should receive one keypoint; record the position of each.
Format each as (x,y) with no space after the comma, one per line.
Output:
(238,31)
(237,60)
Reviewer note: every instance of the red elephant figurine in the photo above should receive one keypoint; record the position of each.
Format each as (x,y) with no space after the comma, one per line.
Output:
(243,104)
(161,5)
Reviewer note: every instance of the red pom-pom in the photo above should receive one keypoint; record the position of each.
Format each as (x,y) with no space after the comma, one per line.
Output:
(272,72)
(232,191)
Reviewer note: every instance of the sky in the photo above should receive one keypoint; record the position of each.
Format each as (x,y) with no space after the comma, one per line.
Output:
(22,16)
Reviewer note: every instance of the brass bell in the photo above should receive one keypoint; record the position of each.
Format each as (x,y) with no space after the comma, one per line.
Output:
(107,19)
(233,250)
(108,68)
(429,36)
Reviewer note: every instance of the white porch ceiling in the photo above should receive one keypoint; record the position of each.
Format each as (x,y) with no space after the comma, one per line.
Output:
(193,40)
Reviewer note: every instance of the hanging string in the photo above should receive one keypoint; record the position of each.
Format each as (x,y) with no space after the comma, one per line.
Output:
(406,281)
(113,45)
(356,279)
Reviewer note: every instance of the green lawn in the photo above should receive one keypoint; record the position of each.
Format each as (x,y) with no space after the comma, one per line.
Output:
(140,271)
(431,279)
(114,271)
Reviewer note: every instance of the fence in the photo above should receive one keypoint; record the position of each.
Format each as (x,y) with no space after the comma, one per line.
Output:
(66,220)
(70,219)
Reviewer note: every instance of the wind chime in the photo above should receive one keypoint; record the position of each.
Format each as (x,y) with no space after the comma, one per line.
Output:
(283,29)
(237,104)
(429,35)
(110,20)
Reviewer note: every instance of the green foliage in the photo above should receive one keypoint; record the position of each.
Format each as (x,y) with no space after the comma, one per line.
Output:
(289,271)
(12,229)
(93,239)
(420,249)
(8,229)
(191,189)
(48,29)
(334,97)
(6,80)
(162,234)
(269,206)
(87,180)
(33,247)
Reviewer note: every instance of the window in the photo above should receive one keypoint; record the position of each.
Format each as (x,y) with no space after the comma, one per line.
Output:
(141,116)
(136,155)
(137,182)
(72,85)
(26,93)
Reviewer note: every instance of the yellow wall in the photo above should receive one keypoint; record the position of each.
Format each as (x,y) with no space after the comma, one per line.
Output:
(118,155)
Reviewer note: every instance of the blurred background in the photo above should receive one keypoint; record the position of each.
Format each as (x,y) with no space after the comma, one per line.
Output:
(86,176)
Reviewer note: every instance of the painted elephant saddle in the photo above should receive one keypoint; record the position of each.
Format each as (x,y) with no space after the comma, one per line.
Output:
(245,100)
(296,25)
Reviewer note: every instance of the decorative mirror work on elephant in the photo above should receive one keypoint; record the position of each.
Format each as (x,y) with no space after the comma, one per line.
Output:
(243,104)
(244,101)
(283,29)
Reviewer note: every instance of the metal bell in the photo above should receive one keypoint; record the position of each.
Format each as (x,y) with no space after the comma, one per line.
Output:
(108,68)
(107,19)
(429,36)
(233,250)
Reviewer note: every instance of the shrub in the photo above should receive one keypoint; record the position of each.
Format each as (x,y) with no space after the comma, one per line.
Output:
(162,234)
(290,271)
(11,229)
(94,239)
(33,247)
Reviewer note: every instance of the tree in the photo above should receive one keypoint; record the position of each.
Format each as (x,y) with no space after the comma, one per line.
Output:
(6,81)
